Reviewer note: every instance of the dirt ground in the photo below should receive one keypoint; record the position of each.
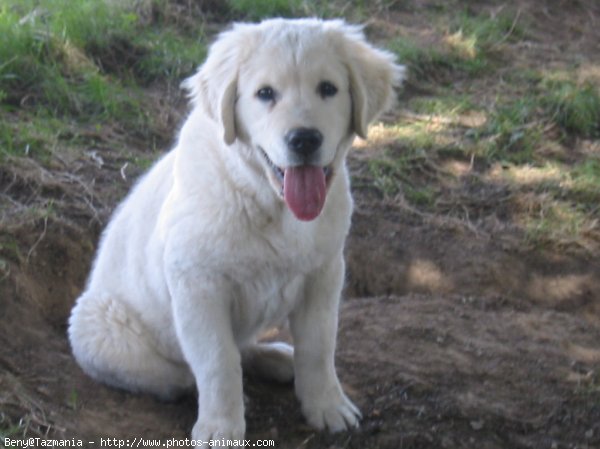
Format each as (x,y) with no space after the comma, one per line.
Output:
(451,335)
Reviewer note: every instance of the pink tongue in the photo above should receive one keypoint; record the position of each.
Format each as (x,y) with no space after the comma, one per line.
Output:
(304,191)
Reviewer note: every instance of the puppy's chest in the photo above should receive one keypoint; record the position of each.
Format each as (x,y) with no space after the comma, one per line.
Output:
(269,272)
(276,252)
(265,300)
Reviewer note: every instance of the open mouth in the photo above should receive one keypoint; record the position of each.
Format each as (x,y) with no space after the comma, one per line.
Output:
(303,187)
(279,173)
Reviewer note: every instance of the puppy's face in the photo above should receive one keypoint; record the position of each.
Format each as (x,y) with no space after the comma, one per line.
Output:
(295,92)
(294,108)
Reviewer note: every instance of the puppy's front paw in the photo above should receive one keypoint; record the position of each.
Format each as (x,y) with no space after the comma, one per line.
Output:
(334,411)
(207,429)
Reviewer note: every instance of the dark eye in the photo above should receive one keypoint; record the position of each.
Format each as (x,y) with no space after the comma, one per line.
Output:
(326,89)
(266,93)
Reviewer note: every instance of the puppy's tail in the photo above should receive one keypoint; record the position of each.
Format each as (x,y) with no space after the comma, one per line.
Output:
(269,361)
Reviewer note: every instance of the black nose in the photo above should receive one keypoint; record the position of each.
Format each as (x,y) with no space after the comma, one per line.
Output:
(304,141)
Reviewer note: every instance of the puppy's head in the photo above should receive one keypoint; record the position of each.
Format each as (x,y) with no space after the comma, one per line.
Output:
(296,92)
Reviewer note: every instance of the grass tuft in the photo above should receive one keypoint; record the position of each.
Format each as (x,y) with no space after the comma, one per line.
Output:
(555,220)
(482,34)
(469,48)
(423,62)
(393,174)
(575,108)
(260,9)
(584,183)
(169,55)
(511,132)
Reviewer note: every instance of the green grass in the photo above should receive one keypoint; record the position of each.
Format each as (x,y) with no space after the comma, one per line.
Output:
(83,61)
(470,47)
(31,136)
(575,108)
(483,33)
(388,175)
(566,209)
(353,10)
(534,122)
(510,135)
(446,105)
(64,55)
(392,175)
(170,55)
(44,51)
(515,127)
(556,221)
(67,44)
(518,128)
(8,432)
(73,399)
(259,9)
(424,62)
(9,248)
(584,184)
(438,62)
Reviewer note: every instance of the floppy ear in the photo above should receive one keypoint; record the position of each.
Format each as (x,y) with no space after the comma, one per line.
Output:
(214,86)
(373,76)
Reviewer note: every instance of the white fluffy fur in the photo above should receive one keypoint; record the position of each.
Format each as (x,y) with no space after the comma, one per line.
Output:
(204,255)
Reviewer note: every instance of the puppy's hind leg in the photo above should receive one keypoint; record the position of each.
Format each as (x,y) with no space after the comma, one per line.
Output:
(269,361)
(113,346)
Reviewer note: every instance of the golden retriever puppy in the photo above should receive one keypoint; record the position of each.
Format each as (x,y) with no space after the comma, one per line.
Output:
(239,228)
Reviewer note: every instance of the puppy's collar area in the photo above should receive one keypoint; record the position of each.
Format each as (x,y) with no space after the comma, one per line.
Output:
(302,187)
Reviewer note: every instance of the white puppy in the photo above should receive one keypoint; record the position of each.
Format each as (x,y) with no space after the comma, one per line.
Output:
(240,227)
